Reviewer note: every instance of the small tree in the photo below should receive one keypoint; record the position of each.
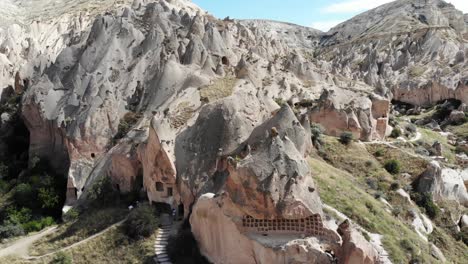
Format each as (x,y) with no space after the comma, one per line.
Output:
(48,198)
(393,166)
(316,133)
(396,132)
(141,222)
(102,193)
(346,138)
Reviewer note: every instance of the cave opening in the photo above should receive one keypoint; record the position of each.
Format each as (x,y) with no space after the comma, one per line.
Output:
(225,61)
(38,185)
(180,211)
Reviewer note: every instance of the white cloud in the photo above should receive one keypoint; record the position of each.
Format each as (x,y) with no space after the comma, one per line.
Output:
(325,25)
(355,6)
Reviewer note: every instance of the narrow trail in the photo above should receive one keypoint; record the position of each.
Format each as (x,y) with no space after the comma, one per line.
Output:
(76,243)
(417,137)
(167,227)
(21,247)
(160,245)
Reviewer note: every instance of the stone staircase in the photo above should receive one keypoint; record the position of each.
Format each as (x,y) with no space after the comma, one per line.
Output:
(162,238)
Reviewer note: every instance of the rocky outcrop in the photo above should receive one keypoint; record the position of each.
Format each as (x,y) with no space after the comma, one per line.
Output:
(215,224)
(340,111)
(413,51)
(443,183)
(274,180)
(162,97)
(267,201)
(355,248)
(159,172)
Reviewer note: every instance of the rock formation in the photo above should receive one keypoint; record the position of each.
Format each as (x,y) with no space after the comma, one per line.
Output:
(444,183)
(213,116)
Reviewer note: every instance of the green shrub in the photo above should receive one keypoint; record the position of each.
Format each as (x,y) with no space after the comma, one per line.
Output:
(48,198)
(407,246)
(20,216)
(32,226)
(346,138)
(24,195)
(47,221)
(38,225)
(61,258)
(9,229)
(379,153)
(141,222)
(392,166)
(396,211)
(102,193)
(396,132)
(394,186)
(426,201)
(316,132)
(71,216)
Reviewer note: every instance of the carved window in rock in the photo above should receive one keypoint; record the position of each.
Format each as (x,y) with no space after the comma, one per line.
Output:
(311,225)
(159,186)
(169,191)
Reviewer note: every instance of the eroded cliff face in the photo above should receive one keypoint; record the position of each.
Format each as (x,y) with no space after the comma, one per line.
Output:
(264,194)
(414,51)
(221,107)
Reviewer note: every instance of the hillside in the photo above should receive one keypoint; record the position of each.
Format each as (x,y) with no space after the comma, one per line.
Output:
(289,144)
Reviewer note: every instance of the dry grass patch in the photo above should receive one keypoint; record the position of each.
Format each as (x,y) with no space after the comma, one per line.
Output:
(409,164)
(221,88)
(88,224)
(460,131)
(353,158)
(182,114)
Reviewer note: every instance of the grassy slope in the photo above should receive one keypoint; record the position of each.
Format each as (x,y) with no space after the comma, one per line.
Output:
(88,224)
(461,130)
(342,183)
(430,137)
(339,190)
(111,247)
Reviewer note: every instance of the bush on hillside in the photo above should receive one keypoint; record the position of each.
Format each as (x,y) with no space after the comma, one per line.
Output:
(392,166)
(102,193)
(316,132)
(141,222)
(346,138)
(396,132)
(426,201)
(71,216)
(9,229)
(62,258)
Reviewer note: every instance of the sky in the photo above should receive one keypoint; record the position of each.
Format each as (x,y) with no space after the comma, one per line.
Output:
(319,14)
